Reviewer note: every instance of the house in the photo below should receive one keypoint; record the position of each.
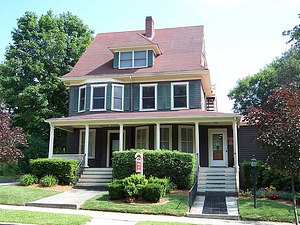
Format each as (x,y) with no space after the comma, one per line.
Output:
(149,89)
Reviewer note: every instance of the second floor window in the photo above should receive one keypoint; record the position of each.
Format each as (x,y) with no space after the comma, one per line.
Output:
(133,59)
(117,97)
(98,97)
(148,96)
(180,94)
(82,99)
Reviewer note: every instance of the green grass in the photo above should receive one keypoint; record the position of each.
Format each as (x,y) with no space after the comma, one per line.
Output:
(177,206)
(28,217)
(18,195)
(266,210)
(162,223)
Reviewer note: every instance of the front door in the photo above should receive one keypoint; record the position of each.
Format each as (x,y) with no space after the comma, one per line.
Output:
(218,147)
(113,144)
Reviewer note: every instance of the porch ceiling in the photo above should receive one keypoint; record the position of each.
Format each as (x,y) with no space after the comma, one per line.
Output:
(190,116)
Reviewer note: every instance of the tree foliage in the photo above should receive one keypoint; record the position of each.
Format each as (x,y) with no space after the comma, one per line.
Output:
(43,49)
(255,90)
(277,122)
(10,139)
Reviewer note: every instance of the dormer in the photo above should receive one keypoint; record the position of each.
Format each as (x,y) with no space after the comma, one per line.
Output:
(140,50)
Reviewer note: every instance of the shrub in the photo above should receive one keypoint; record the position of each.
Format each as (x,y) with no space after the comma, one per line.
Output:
(163,182)
(62,169)
(28,179)
(116,189)
(48,181)
(178,166)
(133,185)
(153,192)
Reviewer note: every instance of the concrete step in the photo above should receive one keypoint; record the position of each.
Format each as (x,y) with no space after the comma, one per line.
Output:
(216,182)
(82,180)
(216,169)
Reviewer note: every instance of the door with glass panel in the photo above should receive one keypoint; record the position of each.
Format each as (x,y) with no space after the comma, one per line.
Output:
(218,147)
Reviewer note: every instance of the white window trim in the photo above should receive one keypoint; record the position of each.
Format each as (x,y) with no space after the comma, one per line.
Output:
(187,95)
(170,135)
(93,143)
(92,96)
(147,136)
(141,96)
(179,137)
(79,97)
(112,97)
(133,60)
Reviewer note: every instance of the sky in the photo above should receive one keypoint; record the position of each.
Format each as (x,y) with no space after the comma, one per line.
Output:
(241,36)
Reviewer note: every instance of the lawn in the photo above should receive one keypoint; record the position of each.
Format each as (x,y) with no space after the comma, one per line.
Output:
(18,195)
(266,210)
(28,217)
(177,206)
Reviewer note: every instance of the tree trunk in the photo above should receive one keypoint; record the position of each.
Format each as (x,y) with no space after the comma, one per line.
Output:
(294,201)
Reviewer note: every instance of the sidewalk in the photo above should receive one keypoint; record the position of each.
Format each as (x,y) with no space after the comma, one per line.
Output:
(111,218)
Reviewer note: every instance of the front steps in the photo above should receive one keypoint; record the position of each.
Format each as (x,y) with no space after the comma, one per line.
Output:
(217,181)
(94,178)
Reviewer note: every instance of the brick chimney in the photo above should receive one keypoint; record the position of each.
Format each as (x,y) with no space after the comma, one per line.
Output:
(149,31)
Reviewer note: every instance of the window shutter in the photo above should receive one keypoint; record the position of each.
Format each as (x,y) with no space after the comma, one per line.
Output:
(108,96)
(75,99)
(126,98)
(116,60)
(160,89)
(87,97)
(136,98)
(150,58)
(192,96)
(168,96)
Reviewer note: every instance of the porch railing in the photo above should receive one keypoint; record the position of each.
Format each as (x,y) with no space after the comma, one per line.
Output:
(79,169)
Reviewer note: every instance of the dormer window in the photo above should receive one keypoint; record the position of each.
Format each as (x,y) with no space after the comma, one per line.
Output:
(133,59)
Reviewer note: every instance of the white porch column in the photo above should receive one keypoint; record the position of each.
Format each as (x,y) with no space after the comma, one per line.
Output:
(86,145)
(157,147)
(197,143)
(121,138)
(236,153)
(51,141)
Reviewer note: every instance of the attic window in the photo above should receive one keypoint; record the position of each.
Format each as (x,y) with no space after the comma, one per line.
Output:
(133,59)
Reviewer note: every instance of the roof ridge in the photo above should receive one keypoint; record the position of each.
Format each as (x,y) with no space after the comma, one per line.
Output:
(141,35)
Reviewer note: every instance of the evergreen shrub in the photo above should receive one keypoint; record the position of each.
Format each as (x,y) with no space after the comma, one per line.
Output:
(116,189)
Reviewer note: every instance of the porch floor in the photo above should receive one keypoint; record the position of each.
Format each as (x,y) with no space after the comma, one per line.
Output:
(208,207)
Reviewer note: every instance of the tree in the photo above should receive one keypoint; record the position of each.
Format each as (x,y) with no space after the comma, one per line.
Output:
(277,122)
(254,90)
(10,139)
(44,48)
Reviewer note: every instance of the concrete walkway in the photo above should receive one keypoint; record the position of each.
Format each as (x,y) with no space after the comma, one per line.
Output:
(67,200)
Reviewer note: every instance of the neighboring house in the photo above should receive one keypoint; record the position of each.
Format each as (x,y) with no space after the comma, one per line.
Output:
(150,89)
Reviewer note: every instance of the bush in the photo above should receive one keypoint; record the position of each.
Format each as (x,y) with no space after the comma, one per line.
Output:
(48,181)
(178,166)
(163,182)
(133,185)
(28,179)
(62,169)
(153,192)
(116,189)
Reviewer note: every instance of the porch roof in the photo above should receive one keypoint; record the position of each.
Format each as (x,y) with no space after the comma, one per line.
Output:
(144,117)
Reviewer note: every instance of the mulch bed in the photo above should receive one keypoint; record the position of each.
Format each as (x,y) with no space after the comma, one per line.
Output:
(288,202)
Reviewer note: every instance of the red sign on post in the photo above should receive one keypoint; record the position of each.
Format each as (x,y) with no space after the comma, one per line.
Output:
(139,163)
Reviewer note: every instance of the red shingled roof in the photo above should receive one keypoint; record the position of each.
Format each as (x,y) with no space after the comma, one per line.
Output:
(181,50)
(152,114)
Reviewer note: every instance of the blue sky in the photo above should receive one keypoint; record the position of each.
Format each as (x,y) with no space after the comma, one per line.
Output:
(241,36)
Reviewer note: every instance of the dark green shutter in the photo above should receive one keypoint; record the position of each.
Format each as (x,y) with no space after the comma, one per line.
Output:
(116,60)
(150,58)
(136,98)
(75,99)
(160,101)
(87,97)
(108,97)
(126,98)
(168,96)
(192,96)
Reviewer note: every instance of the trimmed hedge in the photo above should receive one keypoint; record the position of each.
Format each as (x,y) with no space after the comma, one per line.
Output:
(62,169)
(178,166)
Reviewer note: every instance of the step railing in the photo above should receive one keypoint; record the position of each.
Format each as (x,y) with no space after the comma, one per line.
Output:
(193,192)
(78,170)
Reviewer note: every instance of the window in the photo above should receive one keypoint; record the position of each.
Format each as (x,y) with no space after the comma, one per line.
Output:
(92,139)
(148,97)
(98,97)
(186,139)
(142,138)
(117,97)
(180,93)
(133,59)
(81,99)
(165,137)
